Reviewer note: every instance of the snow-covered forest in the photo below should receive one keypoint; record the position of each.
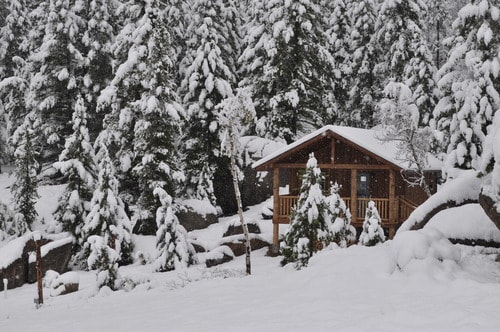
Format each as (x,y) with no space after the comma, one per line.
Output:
(133,109)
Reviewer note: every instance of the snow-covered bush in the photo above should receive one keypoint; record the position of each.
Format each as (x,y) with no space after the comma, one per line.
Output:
(310,222)
(344,232)
(174,250)
(104,259)
(373,232)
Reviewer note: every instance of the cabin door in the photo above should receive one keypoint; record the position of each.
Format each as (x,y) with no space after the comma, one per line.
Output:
(363,185)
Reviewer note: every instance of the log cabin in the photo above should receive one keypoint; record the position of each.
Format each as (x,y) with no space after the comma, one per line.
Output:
(366,167)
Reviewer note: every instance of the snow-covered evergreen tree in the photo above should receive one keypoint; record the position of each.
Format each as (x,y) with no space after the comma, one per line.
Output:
(104,259)
(373,232)
(176,22)
(157,128)
(344,232)
(173,248)
(310,221)
(469,85)
(14,74)
(78,166)
(58,64)
(406,55)
(209,78)
(107,217)
(24,189)
(438,25)
(98,36)
(339,34)
(362,94)
(287,65)
(409,88)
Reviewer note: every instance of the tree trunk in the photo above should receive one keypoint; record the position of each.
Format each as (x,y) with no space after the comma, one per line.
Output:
(490,208)
(419,224)
(237,192)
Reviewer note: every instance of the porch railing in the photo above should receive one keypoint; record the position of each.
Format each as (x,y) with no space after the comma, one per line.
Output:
(286,203)
(405,209)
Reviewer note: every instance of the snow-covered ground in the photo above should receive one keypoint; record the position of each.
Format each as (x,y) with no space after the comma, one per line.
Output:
(417,282)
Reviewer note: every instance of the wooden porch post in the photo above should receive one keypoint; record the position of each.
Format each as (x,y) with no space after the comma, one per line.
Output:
(354,195)
(276,207)
(393,207)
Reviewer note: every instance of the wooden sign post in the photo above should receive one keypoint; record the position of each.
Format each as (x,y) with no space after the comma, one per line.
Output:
(37,237)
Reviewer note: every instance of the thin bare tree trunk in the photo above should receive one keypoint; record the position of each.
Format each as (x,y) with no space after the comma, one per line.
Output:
(237,192)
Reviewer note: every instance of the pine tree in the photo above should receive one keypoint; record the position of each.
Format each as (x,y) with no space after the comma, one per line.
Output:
(362,93)
(339,35)
(174,250)
(107,217)
(157,129)
(372,233)
(24,189)
(98,35)
(288,67)
(130,49)
(58,65)
(104,259)
(176,22)
(209,78)
(77,164)
(344,232)
(406,55)
(469,85)
(13,68)
(310,222)
(438,25)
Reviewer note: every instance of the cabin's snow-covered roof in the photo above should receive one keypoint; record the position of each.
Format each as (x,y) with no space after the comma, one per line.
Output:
(365,138)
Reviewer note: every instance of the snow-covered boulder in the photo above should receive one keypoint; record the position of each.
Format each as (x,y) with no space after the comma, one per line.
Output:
(196,214)
(237,243)
(17,260)
(219,255)
(55,256)
(235,228)
(61,284)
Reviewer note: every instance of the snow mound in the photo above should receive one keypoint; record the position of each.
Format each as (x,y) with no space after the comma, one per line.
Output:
(426,248)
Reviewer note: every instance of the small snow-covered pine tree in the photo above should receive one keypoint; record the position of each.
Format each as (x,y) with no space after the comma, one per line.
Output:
(310,221)
(104,259)
(107,215)
(344,232)
(173,248)
(77,164)
(24,189)
(372,233)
